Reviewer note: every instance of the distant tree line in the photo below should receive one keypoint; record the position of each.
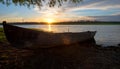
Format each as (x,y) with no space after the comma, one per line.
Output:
(69,23)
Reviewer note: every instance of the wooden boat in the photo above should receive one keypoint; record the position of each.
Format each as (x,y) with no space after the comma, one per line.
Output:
(23,37)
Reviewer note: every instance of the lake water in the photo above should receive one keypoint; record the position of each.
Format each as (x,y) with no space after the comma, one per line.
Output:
(106,35)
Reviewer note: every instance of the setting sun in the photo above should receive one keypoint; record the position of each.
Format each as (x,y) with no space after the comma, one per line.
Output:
(50,20)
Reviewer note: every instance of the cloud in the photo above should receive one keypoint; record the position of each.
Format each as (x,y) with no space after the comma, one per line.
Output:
(107,18)
(116,14)
(97,5)
(85,5)
(89,7)
(10,17)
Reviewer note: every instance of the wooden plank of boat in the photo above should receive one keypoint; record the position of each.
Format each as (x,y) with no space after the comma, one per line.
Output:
(23,37)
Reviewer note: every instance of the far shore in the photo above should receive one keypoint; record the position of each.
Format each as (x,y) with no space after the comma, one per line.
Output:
(65,23)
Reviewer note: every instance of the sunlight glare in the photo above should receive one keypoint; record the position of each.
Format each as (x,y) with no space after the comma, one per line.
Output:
(50,21)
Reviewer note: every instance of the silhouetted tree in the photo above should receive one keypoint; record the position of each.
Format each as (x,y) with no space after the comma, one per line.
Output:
(50,3)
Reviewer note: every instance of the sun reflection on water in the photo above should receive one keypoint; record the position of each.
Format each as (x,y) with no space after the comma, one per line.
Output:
(49,28)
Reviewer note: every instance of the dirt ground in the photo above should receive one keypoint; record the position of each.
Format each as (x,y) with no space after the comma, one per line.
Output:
(77,56)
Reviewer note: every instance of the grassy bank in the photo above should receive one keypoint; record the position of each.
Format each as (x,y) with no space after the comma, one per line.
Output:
(2,35)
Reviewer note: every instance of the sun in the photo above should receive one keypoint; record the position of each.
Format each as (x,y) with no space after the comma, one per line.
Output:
(50,21)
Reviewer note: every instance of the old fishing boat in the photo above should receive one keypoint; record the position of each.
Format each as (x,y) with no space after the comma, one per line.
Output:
(28,38)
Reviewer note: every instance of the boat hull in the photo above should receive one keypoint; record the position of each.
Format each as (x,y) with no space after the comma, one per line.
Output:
(28,38)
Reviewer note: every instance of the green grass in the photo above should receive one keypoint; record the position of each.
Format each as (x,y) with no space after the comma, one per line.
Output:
(2,36)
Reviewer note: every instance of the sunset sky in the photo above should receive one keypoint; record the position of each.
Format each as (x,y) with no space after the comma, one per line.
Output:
(101,10)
